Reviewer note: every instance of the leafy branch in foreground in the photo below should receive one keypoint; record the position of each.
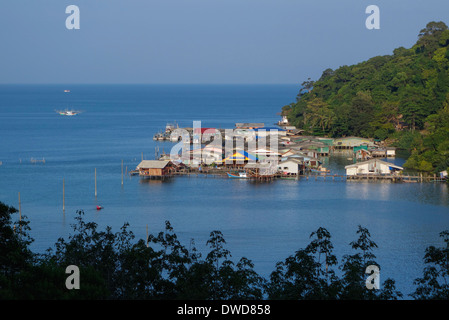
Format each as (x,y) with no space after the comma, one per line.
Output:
(435,281)
(116,266)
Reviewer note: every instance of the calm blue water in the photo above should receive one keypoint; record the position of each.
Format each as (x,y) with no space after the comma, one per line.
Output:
(263,222)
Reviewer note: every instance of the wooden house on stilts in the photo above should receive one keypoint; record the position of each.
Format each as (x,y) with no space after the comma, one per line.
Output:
(156,169)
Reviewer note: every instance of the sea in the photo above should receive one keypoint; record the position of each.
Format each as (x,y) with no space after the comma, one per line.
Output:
(264,222)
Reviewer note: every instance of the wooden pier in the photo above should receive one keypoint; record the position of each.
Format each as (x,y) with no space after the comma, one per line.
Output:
(373,177)
(218,173)
(415,178)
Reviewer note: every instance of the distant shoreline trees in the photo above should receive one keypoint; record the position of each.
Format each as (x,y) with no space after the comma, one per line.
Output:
(115,266)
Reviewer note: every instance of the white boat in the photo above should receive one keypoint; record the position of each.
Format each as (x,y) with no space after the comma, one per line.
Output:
(238,175)
(68,112)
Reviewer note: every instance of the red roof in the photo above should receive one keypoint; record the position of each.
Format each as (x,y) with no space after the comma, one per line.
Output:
(203,130)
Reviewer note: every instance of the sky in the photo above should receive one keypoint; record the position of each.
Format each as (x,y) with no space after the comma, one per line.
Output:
(200,41)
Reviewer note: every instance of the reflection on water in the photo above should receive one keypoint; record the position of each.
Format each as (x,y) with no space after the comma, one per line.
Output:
(430,193)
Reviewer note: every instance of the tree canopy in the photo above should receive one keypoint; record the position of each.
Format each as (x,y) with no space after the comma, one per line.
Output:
(386,97)
(117,266)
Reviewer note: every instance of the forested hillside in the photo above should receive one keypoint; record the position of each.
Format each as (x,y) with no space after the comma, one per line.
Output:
(401,97)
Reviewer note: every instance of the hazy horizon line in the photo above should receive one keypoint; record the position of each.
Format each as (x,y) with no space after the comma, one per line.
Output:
(149,84)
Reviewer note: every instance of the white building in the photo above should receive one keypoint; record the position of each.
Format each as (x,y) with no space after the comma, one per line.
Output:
(373,166)
(290,166)
(391,152)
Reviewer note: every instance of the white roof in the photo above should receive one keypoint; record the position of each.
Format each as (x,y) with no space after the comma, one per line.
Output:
(292,160)
(376,161)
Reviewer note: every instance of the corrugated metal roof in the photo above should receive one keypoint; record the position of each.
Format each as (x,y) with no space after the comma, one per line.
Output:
(269,129)
(358,164)
(248,124)
(153,164)
(258,165)
(291,160)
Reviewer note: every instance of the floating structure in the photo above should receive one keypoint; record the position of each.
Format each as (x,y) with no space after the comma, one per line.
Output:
(352,142)
(291,167)
(384,152)
(246,125)
(156,169)
(166,135)
(267,131)
(372,167)
(239,159)
(295,156)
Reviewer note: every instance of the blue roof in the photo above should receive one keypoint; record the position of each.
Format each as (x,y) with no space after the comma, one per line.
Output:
(242,155)
(269,128)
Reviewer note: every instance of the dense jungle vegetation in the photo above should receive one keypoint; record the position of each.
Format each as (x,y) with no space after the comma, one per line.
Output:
(401,98)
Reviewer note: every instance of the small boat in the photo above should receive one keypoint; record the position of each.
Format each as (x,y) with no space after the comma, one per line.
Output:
(170,127)
(159,136)
(99,208)
(68,112)
(66,90)
(238,175)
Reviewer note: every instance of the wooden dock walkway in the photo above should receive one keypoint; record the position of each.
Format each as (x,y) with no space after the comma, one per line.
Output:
(406,178)
(372,177)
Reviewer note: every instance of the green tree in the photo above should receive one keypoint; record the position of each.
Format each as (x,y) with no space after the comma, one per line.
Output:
(434,284)
(431,148)
(430,35)
(377,98)
(229,281)
(354,267)
(362,112)
(308,274)
(15,256)
(318,114)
